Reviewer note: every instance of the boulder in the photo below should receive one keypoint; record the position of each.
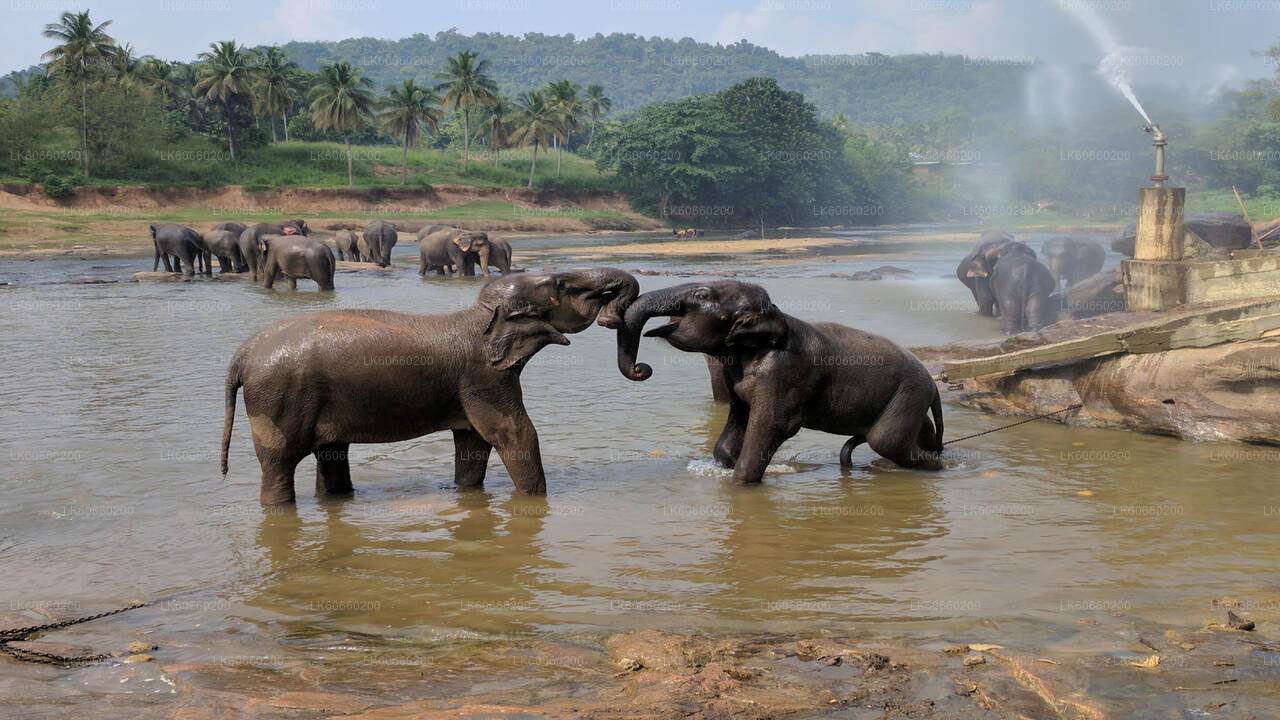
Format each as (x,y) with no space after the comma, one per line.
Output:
(747,235)
(1208,235)
(1097,294)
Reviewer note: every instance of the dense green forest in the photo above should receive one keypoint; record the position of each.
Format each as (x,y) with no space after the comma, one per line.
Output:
(862,139)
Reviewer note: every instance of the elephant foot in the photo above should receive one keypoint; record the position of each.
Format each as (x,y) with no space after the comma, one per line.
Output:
(277,494)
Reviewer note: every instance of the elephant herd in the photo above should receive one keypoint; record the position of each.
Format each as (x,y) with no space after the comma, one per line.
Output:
(269,251)
(1008,280)
(315,384)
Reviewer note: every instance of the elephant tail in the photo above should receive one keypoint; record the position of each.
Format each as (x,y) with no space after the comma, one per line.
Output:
(229,415)
(935,407)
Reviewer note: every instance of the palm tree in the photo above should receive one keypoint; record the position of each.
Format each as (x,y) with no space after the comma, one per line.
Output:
(82,45)
(497,124)
(539,123)
(128,68)
(342,102)
(404,111)
(597,107)
(563,97)
(225,77)
(466,84)
(159,76)
(274,86)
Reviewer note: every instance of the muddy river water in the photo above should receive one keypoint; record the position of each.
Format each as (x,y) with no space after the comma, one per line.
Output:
(111,411)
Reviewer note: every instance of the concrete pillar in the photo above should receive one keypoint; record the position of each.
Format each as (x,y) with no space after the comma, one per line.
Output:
(1159,235)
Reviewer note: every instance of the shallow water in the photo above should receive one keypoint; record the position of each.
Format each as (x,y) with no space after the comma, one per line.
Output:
(111,411)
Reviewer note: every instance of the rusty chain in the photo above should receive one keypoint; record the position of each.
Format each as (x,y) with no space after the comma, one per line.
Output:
(35,656)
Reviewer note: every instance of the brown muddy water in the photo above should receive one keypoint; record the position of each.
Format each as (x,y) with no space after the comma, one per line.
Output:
(110,416)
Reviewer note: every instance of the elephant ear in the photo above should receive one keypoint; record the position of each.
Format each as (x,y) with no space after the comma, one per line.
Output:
(761,330)
(516,333)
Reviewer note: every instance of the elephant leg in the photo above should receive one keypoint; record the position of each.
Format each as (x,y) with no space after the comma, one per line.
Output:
(333,470)
(985,298)
(721,384)
(729,446)
(277,476)
(763,438)
(188,263)
(470,458)
(169,266)
(268,274)
(511,432)
(208,263)
(898,432)
(293,283)
(1011,316)
(846,450)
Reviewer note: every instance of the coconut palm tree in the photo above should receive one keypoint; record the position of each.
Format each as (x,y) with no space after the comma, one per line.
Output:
(159,76)
(225,77)
(129,70)
(466,85)
(497,125)
(597,106)
(563,98)
(538,124)
(342,102)
(82,47)
(404,111)
(274,93)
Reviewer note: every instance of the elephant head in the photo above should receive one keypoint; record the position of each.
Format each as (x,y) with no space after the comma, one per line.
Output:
(719,318)
(988,253)
(529,312)
(473,243)
(294,227)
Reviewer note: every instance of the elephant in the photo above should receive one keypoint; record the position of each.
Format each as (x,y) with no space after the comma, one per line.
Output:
(347,245)
(235,227)
(250,248)
(499,256)
(183,244)
(452,247)
(225,245)
(380,236)
(315,384)
(1022,286)
(785,374)
(1071,260)
(296,256)
(991,244)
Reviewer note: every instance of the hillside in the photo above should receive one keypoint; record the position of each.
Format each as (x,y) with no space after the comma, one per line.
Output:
(866,88)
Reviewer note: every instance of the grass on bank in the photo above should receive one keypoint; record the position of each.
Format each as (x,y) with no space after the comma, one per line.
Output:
(1260,209)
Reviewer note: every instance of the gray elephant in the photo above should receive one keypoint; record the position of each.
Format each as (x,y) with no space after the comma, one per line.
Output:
(296,256)
(347,245)
(235,227)
(381,237)
(180,243)
(225,245)
(250,247)
(499,256)
(786,374)
(991,245)
(453,248)
(315,384)
(1022,287)
(1071,260)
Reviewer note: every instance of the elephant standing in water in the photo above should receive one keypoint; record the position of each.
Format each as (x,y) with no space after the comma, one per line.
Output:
(232,226)
(315,384)
(1022,287)
(183,244)
(381,237)
(786,374)
(347,245)
(295,256)
(991,245)
(1071,260)
(225,245)
(453,248)
(250,247)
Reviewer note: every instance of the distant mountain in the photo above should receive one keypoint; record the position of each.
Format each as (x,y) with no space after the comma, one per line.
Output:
(637,71)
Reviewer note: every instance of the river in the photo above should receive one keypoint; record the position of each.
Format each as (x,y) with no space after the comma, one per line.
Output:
(110,418)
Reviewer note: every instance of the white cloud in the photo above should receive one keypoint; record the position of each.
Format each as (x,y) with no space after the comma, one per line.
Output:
(311,20)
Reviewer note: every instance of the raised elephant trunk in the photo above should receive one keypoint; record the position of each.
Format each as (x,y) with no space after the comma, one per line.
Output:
(621,285)
(664,303)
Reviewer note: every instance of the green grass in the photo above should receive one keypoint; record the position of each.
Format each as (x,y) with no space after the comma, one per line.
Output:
(1260,209)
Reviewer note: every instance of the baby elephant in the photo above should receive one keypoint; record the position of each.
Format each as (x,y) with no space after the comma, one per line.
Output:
(348,245)
(1071,260)
(296,256)
(1022,287)
(785,374)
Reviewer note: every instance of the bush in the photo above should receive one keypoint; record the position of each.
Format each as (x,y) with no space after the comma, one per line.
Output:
(59,187)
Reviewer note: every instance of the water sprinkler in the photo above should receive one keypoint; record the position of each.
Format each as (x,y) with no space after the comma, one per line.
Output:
(1160,142)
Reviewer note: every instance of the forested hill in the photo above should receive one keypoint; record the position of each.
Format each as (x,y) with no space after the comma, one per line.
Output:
(638,71)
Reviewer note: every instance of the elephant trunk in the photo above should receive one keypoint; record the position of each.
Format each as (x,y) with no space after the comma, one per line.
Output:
(624,287)
(652,304)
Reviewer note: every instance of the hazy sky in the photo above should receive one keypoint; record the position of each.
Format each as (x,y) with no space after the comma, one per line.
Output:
(1206,42)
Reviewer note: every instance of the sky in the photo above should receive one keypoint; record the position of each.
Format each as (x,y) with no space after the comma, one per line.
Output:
(1199,42)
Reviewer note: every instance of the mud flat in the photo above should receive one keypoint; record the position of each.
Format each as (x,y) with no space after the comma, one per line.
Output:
(675,248)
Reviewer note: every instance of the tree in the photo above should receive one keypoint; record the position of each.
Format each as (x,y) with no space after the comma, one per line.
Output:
(226,78)
(597,106)
(537,125)
(497,124)
(274,89)
(563,96)
(466,85)
(342,102)
(83,47)
(404,111)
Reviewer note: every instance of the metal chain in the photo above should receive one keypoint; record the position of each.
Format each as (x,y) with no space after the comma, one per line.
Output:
(1068,408)
(35,656)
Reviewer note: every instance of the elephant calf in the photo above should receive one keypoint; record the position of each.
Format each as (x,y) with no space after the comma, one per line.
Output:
(1071,260)
(347,245)
(296,256)
(315,384)
(785,374)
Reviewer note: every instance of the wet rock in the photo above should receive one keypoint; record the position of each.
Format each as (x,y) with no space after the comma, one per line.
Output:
(140,647)
(971,660)
(956,649)
(1235,622)
(322,701)
(1095,295)
(138,658)
(881,272)
(1208,235)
